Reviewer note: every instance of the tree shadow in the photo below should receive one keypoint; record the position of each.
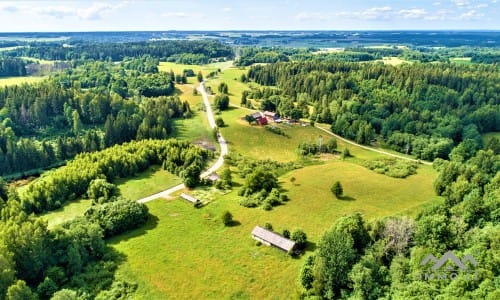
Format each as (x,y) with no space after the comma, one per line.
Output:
(234,223)
(346,198)
(151,224)
(310,247)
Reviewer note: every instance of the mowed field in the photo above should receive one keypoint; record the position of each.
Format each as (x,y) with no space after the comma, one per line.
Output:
(6,81)
(187,253)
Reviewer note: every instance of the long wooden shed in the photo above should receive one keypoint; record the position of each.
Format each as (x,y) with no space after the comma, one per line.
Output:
(272,239)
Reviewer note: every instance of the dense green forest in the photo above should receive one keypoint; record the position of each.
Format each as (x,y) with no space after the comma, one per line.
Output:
(190,52)
(37,262)
(383,259)
(12,67)
(84,109)
(419,109)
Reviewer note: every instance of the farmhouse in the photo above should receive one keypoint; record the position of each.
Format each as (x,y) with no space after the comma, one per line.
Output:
(190,198)
(272,239)
(271,116)
(259,118)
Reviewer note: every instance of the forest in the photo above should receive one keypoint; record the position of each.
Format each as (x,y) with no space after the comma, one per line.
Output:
(94,105)
(419,109)
(191,52)
(12,67)
(382,259)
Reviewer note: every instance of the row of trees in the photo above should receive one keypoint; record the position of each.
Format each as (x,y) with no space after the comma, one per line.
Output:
(73,180)
(435,106)
(61,103)
(162,50)
(383,259)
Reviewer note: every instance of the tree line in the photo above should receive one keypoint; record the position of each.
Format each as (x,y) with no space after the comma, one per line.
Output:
(162,50)
(383,258)
(69,259)
(419,109)
(73,180)
(97,105)
(12,67)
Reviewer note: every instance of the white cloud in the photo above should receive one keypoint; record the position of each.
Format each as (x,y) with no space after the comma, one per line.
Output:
(226,9)
(461,3)
(483,5)
(471,15)
(374,13)
(414,13)
(93,12)
(436,3)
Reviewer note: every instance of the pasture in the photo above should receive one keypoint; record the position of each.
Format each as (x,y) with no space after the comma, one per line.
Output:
(186,253)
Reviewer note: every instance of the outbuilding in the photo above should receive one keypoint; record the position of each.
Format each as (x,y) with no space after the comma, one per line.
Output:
(272,239)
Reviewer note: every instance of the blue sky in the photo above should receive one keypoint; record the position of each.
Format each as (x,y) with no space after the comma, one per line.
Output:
(17,16)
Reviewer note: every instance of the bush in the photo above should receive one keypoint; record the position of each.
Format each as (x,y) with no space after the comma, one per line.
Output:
(275,130)
(392,167)
(268,226)
(219,122)
(227,218)
(117,217)
(337,189)
(286,233)
(300,238)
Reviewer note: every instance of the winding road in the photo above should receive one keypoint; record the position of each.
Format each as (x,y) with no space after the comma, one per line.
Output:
(217,165)
(373,149)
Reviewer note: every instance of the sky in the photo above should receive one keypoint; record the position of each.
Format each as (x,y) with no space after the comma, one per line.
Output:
(43,16)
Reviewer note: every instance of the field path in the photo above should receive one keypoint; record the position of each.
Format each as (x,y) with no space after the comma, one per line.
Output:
(372,149)
(220,160)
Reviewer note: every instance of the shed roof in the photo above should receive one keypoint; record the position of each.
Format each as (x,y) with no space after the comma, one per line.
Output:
(189,198)
(273,238)
(256,115)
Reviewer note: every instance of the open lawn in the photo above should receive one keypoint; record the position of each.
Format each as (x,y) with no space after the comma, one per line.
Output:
(149,182)
(4,81)
(186,253)
(256,142)
(68,212)
(394,61)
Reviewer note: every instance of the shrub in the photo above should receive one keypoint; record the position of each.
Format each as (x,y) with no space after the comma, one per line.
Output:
(227,218)
(286,233)
(300,238)
(392,167)
(337,189)
(268,226)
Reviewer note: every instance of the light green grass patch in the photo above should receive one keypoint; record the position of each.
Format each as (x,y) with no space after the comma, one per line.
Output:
(186,253)
(6,81)
(461,60)
(394,61)
(68,212)
(149,182)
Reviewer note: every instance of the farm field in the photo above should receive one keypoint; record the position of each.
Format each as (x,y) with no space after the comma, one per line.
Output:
(187,253)
(182,242)
(5,81)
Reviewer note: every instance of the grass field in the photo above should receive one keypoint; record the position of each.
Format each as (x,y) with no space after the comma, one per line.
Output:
(149,182)
(5,81)
(461,60)
(394,61)
(67,212)
(186,253)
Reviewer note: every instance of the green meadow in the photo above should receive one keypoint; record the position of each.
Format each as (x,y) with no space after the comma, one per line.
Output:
(187,253)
